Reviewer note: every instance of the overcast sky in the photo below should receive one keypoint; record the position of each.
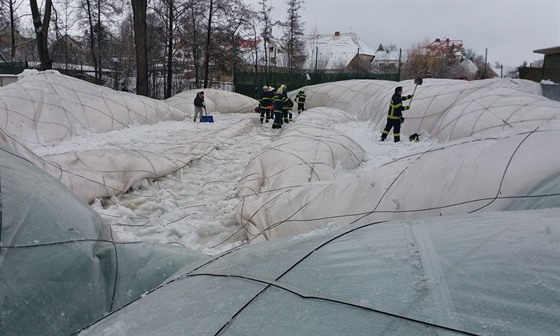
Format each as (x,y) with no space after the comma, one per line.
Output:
(510,30)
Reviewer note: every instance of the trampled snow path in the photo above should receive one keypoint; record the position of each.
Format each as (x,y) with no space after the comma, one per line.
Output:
(195,206)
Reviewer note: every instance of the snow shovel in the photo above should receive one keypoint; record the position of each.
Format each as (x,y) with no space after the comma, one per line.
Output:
(418,81)
(206,117)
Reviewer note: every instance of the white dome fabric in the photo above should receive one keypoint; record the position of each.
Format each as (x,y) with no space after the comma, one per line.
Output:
(498,122)
(444,109)
(455,257)
(295,168)
(44,108)
(215,100)
(485,274)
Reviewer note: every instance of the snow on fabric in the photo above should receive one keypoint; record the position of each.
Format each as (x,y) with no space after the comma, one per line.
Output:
(47,108)
(215,101)
(500,124)
(485,146)
(60,267)
(486,274)
(44,108)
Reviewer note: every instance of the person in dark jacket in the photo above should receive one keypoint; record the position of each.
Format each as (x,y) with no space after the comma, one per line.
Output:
(395,117)
(287,105)
(300,99)
(278,103)
(265,103)
(199,105)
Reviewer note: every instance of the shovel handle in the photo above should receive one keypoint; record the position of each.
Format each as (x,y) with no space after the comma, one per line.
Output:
(417,81)
(413,92)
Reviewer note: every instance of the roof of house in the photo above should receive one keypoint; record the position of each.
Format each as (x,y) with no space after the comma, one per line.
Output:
(548,51)
(339,48)
(387,56)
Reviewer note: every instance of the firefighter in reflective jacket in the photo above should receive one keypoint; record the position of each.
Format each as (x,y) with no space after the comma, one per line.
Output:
(300,99)
(278,108)
(395,117)
(287,105)
(264,104)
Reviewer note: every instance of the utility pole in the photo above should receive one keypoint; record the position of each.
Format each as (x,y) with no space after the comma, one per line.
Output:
(400,55)
(485,62)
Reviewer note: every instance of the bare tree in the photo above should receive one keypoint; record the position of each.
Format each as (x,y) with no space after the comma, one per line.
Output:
(41,25)
(124,52)
(139,9)
(169,12)
(11,6)
(225,19)
(98,18)
(293,36)
(89,13)
(211,10)
(419,62)
(267,25)
(63,23)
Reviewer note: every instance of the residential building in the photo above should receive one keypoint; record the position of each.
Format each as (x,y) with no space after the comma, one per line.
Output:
(337,52)
(24,47)
(551,65)
(387,60)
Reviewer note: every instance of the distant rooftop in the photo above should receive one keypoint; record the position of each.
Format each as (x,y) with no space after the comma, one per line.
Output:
(337,48)
(548,51)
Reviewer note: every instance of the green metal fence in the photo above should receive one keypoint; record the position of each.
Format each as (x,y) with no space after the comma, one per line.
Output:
(251,83)
(12,68)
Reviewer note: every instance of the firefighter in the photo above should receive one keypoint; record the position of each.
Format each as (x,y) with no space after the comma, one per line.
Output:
(395,117)
(264,104)
(278,104)
(300,99)
(286,105)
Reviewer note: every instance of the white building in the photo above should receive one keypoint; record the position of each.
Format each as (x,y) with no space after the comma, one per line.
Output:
(338,51)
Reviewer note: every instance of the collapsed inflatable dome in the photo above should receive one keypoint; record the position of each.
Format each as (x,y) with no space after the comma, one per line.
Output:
(60,268)
(459,238)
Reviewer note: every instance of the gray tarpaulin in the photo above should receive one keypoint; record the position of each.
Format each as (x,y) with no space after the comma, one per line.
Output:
(60,269)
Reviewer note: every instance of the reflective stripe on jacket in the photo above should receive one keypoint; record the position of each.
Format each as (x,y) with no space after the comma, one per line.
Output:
(396,107)
(278,103)
(266,100)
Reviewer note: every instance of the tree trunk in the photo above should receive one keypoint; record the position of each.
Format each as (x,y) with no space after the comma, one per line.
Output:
(91,40)
(12,32)
(139,8)
(169,51)
(41,32)
(207,53)
(98,34)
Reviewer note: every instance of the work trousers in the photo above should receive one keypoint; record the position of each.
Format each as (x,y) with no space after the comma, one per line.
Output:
(395,124)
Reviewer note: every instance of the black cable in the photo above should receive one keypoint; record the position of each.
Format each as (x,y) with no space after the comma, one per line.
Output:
(320,298)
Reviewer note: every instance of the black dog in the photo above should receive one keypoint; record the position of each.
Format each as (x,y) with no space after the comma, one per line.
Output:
(414,137)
